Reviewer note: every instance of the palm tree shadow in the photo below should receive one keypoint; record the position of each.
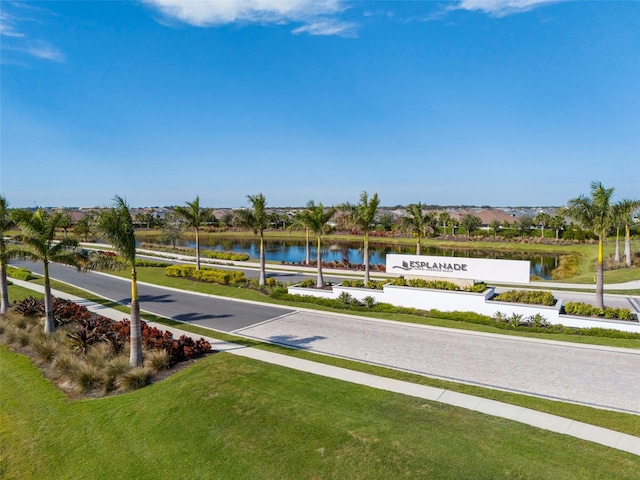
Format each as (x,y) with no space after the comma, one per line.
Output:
(293,341)
(196,317)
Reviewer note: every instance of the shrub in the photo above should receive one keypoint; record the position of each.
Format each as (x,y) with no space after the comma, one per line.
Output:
(180,271)
(224,277)
(133,379)
(307,283)
(156,360)
(537,320)
(527,296)
(346,299)
(19,273)
(30,306)
(151,263)
(66,365)
(46,349)
(87,377)
(369,301)
(586,310)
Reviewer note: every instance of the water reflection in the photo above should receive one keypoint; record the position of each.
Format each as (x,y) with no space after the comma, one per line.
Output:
(294,251)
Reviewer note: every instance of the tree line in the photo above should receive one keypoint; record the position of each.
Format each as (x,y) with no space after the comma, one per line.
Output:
(595,213)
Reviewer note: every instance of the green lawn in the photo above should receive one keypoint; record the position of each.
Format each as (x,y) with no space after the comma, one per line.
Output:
(617,421)
(229,417)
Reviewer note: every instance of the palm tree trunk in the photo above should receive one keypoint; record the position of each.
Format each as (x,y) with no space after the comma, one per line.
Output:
(617,255)
(627,245)
(49,323)
(4,301)
(135,354)
(197,250)
(600,276)
(308,254)
(262,266)
(418,246)
(366,256)
(319,280)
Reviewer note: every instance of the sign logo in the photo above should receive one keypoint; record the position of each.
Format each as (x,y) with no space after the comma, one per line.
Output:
(442,267)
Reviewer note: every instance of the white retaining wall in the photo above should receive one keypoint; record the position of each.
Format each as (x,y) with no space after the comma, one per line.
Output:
(445,300)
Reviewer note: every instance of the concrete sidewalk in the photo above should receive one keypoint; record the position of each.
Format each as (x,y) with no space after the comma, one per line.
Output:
(603,436)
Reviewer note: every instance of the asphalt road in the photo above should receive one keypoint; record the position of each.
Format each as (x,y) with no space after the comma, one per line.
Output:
(220,314)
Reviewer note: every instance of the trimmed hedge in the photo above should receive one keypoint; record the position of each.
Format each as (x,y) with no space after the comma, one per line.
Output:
(527,296)
(586,310)
(19,273)
(204,253)
(223,277)
(439,285)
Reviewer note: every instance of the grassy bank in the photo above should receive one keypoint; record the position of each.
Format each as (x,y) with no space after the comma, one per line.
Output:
(228,417)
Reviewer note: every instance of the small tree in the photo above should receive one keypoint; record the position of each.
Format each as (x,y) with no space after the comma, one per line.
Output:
(543,220)
(194,217)
(495,226)
(172,230)
(361,216)
(624,216)
(256,219)
(444,218)
(470,223)
(315,218)
(557,223)
(415,223)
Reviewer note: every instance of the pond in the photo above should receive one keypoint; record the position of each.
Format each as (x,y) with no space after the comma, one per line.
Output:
(294,251)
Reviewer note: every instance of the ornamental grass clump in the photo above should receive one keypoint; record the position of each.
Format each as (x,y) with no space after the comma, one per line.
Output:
(133,379)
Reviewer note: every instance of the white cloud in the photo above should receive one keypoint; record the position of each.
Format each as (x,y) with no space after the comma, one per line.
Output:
(328,27)
(7,27)
(500,8)
(314,15)
(45,52)
(12,25)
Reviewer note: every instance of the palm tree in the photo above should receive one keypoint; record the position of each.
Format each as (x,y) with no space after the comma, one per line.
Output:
(595,213)
(315,219)
(116,226)
(543,219)
(362,216)
(444,218)
(194,217)
(470,222)
(6,224)
(256,219)
(38,234)
(415,222)
(624,215)
(297,223)
(557,223)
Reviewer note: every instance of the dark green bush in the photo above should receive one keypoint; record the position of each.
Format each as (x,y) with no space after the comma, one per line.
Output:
(151,263)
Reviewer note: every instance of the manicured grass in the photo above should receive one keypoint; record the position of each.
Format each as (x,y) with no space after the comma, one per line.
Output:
(621,422)
(229,417)
(17,293)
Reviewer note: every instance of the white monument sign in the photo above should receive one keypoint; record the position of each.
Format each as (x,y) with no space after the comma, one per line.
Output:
(485,269)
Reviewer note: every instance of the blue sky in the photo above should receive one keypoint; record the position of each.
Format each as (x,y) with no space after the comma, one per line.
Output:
(476,102)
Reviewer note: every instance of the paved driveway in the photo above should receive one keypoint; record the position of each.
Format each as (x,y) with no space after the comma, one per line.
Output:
(599,376)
